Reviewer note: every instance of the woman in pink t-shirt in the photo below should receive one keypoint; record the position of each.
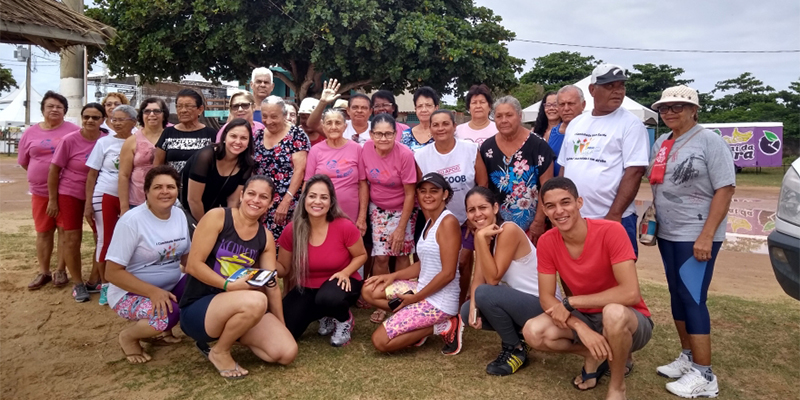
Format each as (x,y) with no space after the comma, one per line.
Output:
(340,159)
(320,253)
(480,127)
(66,186)
(138,152)
(35,151)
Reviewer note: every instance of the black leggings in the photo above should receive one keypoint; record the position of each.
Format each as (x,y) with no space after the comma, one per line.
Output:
(301,309)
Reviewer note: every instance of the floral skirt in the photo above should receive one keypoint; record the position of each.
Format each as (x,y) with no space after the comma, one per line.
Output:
(383,224)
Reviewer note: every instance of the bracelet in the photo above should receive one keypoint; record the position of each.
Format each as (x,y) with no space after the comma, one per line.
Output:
(225,286)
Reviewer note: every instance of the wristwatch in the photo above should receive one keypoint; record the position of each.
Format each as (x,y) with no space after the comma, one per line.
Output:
(565,302)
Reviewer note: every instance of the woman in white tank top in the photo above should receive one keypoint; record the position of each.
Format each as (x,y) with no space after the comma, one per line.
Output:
(424,296)
(505,285)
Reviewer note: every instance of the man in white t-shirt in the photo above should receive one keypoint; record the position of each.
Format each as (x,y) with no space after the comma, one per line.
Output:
(359,109)
(605,152)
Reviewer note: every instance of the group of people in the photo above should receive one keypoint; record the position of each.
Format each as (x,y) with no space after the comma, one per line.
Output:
(532,234)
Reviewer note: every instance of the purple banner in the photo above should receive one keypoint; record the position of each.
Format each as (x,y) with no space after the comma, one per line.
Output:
(754,146)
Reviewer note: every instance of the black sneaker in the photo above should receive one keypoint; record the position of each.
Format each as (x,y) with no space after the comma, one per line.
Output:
(453,336)
(508,361)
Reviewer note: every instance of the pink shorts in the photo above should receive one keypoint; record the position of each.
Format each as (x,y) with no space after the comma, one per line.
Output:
(134,307)
(412,317)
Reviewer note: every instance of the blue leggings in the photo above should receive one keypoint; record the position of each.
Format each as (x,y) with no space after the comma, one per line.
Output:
(688,281)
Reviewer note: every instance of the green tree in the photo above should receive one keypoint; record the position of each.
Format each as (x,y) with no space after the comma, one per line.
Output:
(742,91)
(527,93)
(7,80)
(558,69)
(392,44)
(647,81)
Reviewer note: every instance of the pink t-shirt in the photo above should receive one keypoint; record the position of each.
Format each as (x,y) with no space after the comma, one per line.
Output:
(344,167)
(143,157)
(71,155)
(36,150)
(387,175)
(331,256)
(255,127)
(463,131)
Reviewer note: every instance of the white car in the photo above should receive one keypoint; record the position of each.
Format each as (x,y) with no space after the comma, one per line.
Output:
(784,241)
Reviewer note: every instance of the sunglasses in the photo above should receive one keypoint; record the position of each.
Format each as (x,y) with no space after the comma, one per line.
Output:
(675,108)
(241,106)
(92,117)
(155,111)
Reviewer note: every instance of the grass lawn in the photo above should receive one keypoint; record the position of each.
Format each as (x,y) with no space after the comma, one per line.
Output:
(771,176)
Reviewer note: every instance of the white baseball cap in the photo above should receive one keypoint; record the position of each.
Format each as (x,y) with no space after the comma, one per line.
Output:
(308,105)
(607,73)
(678,94)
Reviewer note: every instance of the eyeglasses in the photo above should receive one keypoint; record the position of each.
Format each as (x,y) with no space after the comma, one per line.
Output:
(115,120)
(676,108)
(383,105)
(185,107)
(383,135)
(53,107)
(91,117)
(241,106)
(425,107)
(550,105)
(156,111)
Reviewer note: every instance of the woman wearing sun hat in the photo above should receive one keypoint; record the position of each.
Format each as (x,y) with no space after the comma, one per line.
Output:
(693,180)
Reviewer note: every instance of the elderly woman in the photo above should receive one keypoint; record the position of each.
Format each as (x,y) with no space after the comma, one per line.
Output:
(321,251)
(241,106)
(383,101)
(143,264)
(426,293)
(391,172)
(35,152)
(480,127)
(179,142)
(280,152)
(66,186)
(216,307)
(693,180)
(102,184)
(111,102)
(426,101)
(291,113)
(518,163)
(460,164)
(138,152)
(340,159)
(548,117)
(215,176)
(359,109)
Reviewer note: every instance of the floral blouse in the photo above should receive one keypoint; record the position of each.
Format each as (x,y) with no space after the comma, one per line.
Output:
(412,143)
(515,181)
(277,164)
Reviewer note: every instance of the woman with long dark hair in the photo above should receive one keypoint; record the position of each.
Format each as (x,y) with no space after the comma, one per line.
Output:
(320,253)
(548,118)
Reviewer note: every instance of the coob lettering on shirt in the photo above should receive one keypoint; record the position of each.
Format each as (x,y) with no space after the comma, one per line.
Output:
(456,179)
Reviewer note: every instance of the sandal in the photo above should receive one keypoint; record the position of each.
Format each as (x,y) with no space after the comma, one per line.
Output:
(378,316)
(362,304)
(231,378)
(596,375)
(60,278)
(142,354)
(162,340)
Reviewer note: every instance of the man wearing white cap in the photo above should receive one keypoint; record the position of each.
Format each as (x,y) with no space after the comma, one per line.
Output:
(261,84)
(605,152)
(307,106)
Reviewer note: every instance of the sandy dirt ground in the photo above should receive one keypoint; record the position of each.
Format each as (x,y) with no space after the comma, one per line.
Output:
(46,352)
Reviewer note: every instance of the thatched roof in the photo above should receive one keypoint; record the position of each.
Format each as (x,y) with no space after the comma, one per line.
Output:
(49,24)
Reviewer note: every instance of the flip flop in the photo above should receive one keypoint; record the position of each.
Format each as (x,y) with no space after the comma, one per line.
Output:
(231,378)
(135,355)
(596,375)
(378,316)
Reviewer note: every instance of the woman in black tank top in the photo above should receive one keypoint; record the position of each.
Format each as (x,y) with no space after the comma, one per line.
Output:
(212,308)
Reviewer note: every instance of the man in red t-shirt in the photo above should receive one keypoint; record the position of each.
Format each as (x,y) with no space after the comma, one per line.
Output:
(605,318)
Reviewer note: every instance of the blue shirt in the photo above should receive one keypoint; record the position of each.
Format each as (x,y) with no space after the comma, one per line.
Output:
(555,141)
(257,116)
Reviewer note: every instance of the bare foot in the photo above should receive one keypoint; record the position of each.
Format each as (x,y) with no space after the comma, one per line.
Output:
(224,363)
(132,349)
(164,339)
(615,395)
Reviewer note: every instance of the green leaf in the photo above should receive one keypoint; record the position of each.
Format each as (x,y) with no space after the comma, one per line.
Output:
(771,136)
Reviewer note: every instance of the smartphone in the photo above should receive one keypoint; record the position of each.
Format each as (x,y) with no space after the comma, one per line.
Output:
(474,316)
(262,278)
(395,302)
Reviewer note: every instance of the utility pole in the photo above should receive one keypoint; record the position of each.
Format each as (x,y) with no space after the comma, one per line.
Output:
(72,65)
(28,88)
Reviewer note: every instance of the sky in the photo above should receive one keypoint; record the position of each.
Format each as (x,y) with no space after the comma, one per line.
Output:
(675,24)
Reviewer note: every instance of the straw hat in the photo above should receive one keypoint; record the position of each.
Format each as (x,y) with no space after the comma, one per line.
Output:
(678,94)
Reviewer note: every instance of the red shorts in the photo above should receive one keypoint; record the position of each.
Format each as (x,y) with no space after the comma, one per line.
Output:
(70,213)
(41,221)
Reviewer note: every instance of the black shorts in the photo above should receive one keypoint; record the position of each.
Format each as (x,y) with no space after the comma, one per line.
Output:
(193,319)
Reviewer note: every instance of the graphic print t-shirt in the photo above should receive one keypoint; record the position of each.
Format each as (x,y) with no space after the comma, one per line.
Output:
(387,175)
(230,254)
(105,159)
(697,169)
(595,153)
(181,145)
(35,151)
(149,248)
(344,167)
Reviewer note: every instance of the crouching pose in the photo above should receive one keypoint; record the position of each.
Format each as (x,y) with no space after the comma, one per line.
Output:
(213,308)
(427,291)
(605,319)
(505,287)
(144,256)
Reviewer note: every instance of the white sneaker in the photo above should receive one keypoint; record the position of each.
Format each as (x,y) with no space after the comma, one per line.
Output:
(677,368)
(326,326)
(692,385)
(341,332)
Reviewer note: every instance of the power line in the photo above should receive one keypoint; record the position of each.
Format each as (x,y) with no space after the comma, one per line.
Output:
(660,50)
